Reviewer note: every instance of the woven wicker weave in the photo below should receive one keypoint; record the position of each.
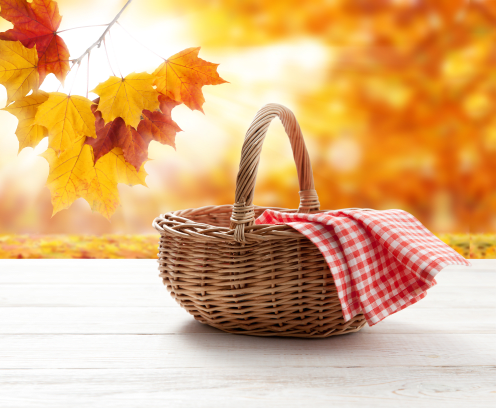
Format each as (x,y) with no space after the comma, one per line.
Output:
(262,280)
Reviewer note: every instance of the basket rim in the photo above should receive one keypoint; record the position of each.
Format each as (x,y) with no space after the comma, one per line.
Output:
(177,223)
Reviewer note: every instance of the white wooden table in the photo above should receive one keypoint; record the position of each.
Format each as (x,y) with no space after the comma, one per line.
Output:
(105,333)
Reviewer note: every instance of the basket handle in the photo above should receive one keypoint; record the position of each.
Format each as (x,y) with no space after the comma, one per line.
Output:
(243,213)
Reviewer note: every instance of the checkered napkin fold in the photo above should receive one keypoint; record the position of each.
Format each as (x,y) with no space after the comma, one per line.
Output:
(381,261)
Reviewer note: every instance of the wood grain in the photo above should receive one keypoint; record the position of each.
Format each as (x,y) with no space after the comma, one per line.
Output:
(251,387)
(174,320)
(105,333)
(223,350)
(156,295)
(130,271)
(85,271)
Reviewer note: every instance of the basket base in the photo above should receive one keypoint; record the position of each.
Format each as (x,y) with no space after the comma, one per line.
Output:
(352,326)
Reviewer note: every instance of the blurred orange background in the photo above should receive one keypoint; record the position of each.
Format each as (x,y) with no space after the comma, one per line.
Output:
(396,100)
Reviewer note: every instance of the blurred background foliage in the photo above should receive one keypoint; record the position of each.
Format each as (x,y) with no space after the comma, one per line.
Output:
(396,100)
(144,246)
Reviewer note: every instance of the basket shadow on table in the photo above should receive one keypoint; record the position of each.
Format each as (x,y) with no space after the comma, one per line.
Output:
(399,343)
(259,350)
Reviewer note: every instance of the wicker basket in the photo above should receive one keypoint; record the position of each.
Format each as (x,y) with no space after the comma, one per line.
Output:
(261,280)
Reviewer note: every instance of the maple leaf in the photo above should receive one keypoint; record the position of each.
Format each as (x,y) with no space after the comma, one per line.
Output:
(134,143)
(67,118)
(73,175)
(182,76)
(118,134)
(107,134)
(36,24)
(28,133)
(166,104)
(160,126)
(68,176)
(126,172)
(127,97)
(102,193)
(18,71)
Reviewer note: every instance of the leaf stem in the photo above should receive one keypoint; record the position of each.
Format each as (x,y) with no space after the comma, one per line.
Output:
(108,58)
(99,41)
(88,77)
(77,28)
(115,54)
(74,80)
(139,42)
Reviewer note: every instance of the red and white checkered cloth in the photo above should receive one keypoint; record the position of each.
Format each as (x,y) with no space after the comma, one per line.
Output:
(381,261)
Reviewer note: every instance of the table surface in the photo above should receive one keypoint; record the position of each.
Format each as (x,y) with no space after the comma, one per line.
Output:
(105,333)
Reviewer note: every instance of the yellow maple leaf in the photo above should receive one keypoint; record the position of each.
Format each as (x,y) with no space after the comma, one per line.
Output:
(73,174)
(28,133)
(110,169)
(69,175)
(182,76)
(18,69)
(126,172)
(68,120)
(127,97)
(102,193)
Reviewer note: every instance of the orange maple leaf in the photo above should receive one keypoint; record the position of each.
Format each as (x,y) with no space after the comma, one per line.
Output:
(182,76)
(134,143)
(36,23)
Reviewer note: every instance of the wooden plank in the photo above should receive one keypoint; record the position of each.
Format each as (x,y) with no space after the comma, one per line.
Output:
(224,350)
(65,295)
(429,320)
(485,264)
(458,297)
(99,320)
(174,320)
(251,387)
(438,352)
(128,271)
(156,295)
(466,278)
(81,271)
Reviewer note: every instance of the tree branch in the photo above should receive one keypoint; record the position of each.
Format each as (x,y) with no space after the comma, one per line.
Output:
(98,42)
(77,28)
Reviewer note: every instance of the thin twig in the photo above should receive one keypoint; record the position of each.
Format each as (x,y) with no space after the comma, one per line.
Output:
(77,28)
(74,80)
(108,58)
(115,53)
(139,42)
(99,41)
(88,77)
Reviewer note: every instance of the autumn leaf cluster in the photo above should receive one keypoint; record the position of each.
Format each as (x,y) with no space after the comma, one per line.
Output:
(92,145)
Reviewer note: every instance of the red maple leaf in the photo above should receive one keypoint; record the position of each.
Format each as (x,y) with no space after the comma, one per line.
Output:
(134,143)
(36,24)
(159,126)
